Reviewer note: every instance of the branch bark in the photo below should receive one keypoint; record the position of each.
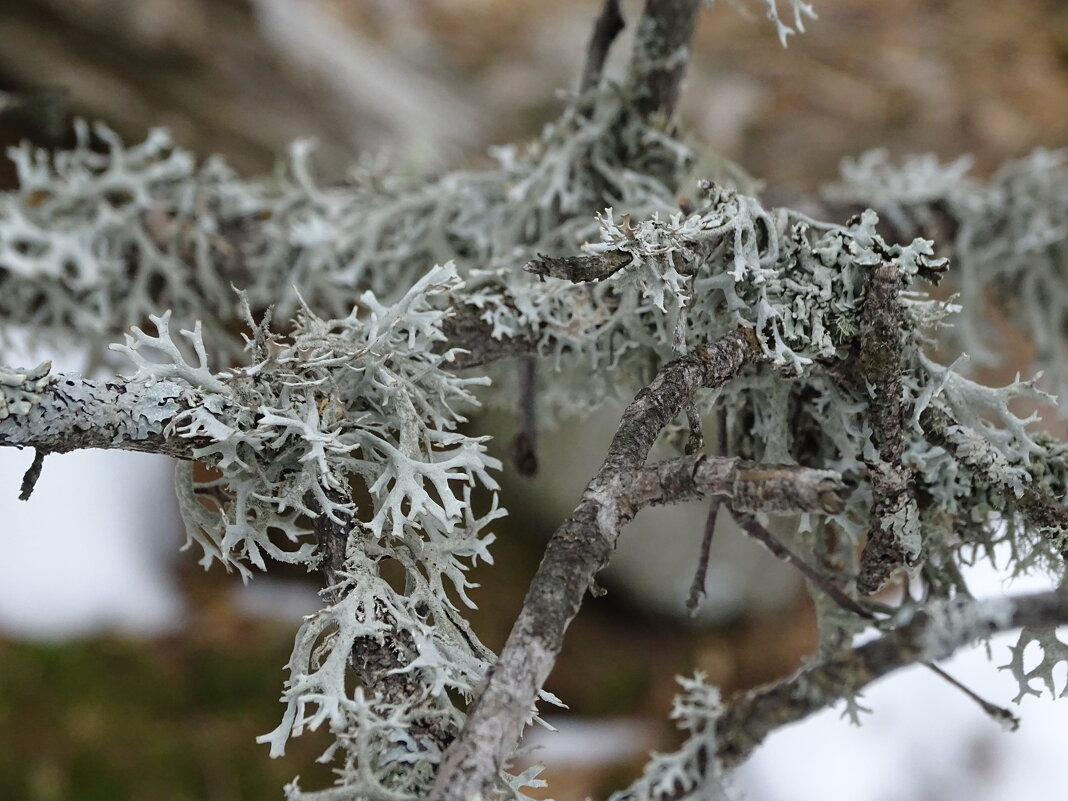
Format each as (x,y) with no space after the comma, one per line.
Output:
(578,269)
(575,554)
(895,519)
(71,413)
(1040,509)
(605,30)
(932,635)
(378,663)
(748,486)
(464,329)
(661,53)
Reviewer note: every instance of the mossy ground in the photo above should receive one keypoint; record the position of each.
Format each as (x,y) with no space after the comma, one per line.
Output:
(160,720)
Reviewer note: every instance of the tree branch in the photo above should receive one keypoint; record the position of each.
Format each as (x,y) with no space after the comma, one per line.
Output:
(377,661)
(748,486)
(661,53)
(932,635)
(578,269)
(751,526)
(893,536)
(525,445)
(1040,509)
(605,30)
(464,329)
(71,413)
(29,480)
(576,552)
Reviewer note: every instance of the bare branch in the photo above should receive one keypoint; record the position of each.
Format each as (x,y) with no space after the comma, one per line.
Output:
(605,30)
(998,714)
(933,634)
(576,552)
(473,336)
(748,486)
(29,480)
(754,529)
(578,269)
(700,576)
(525,448)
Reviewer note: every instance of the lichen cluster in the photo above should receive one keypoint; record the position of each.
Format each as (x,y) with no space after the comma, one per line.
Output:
(328,433)
(1006,236)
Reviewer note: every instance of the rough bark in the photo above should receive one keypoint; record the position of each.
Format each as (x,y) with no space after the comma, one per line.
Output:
(661,53)
(72,413)
(894,513)
(933,634)
(1040,509)
(577,551)
(379,663)
(579,269)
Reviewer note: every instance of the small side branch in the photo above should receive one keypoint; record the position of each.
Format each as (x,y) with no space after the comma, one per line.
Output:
(578,269)
(932,635)
(605,30)
(751,526)
(525,449)
(472,338)
(700,576)
(999,714)
(749,487)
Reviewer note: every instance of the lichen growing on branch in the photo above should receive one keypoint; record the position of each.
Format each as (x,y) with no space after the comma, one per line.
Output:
(374,314)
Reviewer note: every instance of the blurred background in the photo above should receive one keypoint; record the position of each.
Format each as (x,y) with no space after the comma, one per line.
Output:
(127,672)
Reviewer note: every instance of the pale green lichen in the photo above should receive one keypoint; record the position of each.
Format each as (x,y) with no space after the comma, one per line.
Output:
(691,773)
(1008,233)
(352,384)
(20,388)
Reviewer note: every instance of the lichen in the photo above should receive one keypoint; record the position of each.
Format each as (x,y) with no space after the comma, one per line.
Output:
(20,388)
(344,385)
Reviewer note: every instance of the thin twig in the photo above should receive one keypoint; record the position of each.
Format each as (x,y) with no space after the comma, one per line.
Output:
(749,486)
(605,30)
(999,713)
(525,446)
(894,516)
(579,269)
(971,451)
(751,526)
(661,54)
(700,576)
(933,634)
